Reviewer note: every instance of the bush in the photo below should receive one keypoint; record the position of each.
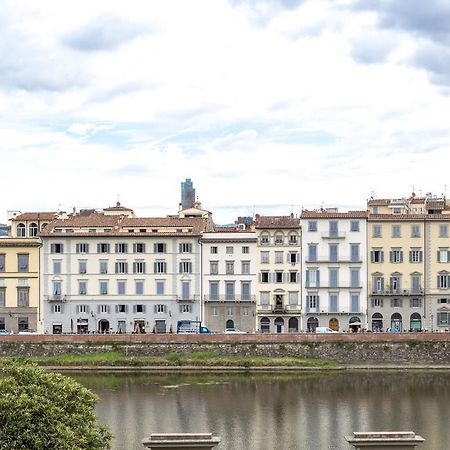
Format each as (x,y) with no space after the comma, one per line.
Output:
(40,410)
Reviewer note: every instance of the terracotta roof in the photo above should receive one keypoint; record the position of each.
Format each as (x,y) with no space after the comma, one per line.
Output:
(397,217)
(333,215)
(417,200)
(277,222)
(36,216)
(118,207)
(378,202)
(435,204)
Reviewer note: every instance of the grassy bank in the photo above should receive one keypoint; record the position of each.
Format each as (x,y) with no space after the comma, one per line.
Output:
(198,359)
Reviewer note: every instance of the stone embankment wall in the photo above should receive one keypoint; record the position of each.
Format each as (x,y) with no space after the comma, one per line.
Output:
(370,348)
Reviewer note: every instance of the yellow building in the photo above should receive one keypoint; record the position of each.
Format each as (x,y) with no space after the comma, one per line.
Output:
(19,284)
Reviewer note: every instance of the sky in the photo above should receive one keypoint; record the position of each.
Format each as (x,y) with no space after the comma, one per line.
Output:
(269,106)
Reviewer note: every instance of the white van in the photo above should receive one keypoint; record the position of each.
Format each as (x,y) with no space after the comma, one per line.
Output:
(324,330)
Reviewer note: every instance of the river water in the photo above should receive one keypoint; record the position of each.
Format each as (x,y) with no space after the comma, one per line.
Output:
(282,412)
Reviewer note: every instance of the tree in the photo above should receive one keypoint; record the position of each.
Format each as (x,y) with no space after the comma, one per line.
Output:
(40,410)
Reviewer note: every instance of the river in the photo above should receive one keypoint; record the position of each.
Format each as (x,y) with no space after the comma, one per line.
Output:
(281,412)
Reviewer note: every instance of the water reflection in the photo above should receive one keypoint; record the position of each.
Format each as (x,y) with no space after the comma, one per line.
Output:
(311,411)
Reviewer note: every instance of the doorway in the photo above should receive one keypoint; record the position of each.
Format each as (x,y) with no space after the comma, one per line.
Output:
(103,326)
(279,324)
(312,323)
(334,324)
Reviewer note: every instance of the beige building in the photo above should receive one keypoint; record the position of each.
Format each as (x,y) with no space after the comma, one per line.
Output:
(19,284)
(278,264)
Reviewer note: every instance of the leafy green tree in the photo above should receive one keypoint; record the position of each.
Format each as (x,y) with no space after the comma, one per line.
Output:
(40,410)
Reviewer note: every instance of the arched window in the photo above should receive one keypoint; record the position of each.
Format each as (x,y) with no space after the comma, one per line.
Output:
(279,324)
(415,323)
(32,230)
(279,238)
(396,322)
(230,323)
(312,323)
(265,325)
(334,324)
(377,322)
(264,239)
(293,325)
(21,230)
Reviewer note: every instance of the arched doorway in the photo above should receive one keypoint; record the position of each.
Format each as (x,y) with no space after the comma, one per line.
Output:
(334,324)
(279,324)
(103,326)
(312,323)
(415,323)
(265,325)
(355,324)
(377,322)
(293,325)
(230,324)
(396,322)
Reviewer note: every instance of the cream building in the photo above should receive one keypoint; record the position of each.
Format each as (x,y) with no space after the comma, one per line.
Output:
(229,279)
(278,264)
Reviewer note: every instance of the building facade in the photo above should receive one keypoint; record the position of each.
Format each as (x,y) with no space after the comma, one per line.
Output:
(278,265)
(118,273)
(334,270)
(229,279)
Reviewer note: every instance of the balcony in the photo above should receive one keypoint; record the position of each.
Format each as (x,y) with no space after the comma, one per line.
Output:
(398,292)
(56,298)
(329,235)
(228,298)
(188,299)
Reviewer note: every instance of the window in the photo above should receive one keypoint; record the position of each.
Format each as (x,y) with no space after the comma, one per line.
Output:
(229,267)
(57,267)
(139,248)
(103,266)
(293,257)
(2,297)
(293,276)
(82,288)
(265,298)
(186,290)
(23,297)
(121,248)
(139,287)
(214,267)
(121,287)
(334,303)
(160,309)
(397,210)
(443,318)
(246,250)
(442,301)
(139,267)
(102,248)
(159,248)
(57,309)
(21,230)
(279,257)
(121,267)
(185,267)
(82,266)
(377,256)
(160,267)
(229,290)
(312,278)
(354,278)
(213,250)
(103,287)
(2,262)
(264,257)
(229,250)
(22,260)
(396,302)
(333,252)
(377,303)
(245,267)
(245,311)
(354,253)
(139,308)
(443,231)
(214,290)
(82,247)
(160,287)
(293,298)
(333,228)
(279,239)
(214,311)
(415,256)
(334,278)
(376,231)
(293,239)
(396,256)
(312,225)
(103,309)
(312,301)
(354,225)
(122,308)
(378,284)
(184,309)
(278,276)
(57,289)
(415,231)
(312,252)
(396,231)
(264,277)
(395,284)
(443,255)
(22,323)
(264,239)
(245,290)
(415,302)
(83,309)
(185,247)
(354,302)
(443,281)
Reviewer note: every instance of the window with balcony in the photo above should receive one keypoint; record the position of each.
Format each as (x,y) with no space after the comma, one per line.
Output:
(56,289)
(378,284)
(395,284)
(214,290)
(185,290)
(245,290)
(229,290)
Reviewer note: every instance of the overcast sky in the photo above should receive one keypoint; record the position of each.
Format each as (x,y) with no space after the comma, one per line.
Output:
(268,105)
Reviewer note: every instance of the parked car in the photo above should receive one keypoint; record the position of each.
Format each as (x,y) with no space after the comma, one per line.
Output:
(325,330)
(6,332)
(28,331)
(234,331)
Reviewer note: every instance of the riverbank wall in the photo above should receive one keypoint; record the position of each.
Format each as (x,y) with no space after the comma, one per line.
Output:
(345,348)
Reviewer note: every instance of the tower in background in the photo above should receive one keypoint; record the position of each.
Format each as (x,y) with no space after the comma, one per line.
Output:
(187,194)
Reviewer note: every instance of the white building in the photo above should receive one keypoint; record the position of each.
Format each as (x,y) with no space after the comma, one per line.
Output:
(334,270)
(111,271)
(229,279)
